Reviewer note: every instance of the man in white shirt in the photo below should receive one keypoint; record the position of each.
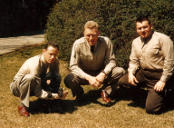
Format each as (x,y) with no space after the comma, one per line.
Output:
(93,63)
(39,76)
(151,63)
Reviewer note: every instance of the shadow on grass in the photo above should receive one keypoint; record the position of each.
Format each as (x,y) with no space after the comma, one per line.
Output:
(137,96)
(66,106)
(93,96)
(52,106)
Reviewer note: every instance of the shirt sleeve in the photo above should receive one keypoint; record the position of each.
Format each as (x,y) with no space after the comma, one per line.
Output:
(168,52)
(134,61)
(30,66)
(74,62)
(110,61)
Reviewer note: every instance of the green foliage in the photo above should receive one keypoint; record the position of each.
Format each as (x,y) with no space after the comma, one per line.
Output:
(115,17)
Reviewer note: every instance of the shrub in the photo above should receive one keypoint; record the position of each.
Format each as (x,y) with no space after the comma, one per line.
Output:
(115,17)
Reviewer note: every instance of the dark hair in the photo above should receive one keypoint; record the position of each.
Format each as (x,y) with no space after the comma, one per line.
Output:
(51,44)
(143,18)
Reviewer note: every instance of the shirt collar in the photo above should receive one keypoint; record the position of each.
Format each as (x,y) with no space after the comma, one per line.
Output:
(43,59)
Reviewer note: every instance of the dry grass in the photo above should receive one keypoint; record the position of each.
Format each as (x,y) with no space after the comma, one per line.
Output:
(126,111)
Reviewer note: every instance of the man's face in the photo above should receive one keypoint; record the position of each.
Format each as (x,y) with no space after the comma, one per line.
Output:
(143,29)
(50,54)
(91,36)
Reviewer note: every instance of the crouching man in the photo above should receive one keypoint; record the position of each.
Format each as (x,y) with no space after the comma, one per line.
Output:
(38,76)
(151,64)
(93,63)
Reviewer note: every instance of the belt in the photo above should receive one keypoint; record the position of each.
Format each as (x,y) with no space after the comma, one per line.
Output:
(153,70)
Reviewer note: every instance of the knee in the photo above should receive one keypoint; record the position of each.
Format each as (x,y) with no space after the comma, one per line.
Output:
(28,81)
(121,71)
(123,80)
(153,110)
(120,82)
(29,77)
(118,72)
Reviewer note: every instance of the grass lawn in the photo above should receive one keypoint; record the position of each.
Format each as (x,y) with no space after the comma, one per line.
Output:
(126,111)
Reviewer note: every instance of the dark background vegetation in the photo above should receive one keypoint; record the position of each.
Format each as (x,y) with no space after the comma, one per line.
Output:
(23,16)
(115,17)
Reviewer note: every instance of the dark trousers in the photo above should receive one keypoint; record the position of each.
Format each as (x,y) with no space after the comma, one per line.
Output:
(155,100)
(54,85)
(74,82)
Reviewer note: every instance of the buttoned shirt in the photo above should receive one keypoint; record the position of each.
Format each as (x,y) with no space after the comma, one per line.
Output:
(83,61)
(38,67)
(155,53)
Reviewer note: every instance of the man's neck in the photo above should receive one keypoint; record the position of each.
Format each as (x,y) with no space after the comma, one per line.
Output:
(43,59)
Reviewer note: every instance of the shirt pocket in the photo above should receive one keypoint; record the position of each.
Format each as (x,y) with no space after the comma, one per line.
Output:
(155,51)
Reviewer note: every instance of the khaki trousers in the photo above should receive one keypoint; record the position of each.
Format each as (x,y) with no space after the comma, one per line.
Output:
(24,86)
(30,85)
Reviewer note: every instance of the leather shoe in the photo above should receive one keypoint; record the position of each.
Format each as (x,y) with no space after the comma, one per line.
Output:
(105,97)
(23,111)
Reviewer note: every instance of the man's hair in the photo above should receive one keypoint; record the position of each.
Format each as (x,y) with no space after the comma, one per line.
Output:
(91,25)
(143,18)
(51,44)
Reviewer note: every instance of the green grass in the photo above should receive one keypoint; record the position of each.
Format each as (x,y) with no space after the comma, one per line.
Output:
(127,111)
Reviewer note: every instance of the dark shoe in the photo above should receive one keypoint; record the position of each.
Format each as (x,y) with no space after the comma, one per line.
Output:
(23,111)
(105,97)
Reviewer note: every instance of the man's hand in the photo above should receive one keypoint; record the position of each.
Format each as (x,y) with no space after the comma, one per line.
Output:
(56,95)
(132,79)
(100,77)
(93,81)
(65,93)
(159,86)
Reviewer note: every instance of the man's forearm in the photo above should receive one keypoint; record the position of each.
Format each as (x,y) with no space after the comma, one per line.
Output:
(78,71)
(108,68)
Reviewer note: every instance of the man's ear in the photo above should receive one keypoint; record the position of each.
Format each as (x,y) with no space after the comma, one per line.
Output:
(151,25)
(98,33)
